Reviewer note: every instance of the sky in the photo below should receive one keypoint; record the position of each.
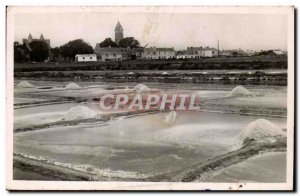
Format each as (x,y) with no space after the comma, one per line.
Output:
(178,30)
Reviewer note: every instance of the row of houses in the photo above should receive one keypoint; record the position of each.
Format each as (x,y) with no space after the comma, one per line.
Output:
(119,54)
(197,52)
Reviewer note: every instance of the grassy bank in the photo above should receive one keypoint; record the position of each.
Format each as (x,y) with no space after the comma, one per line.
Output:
(255,77)
(254,62)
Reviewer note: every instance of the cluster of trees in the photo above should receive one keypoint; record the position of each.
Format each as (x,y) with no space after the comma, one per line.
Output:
(265,53)
(124,43)
(19,52)
(39,51)
(70,49)
(35,51)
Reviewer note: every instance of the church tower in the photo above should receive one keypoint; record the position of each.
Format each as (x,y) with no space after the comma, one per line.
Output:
(42,37)
(118,33)
(30,39)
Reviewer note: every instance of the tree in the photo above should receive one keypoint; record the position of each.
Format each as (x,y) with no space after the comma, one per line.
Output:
(21,52)
(39,51)
(235,53)
(17,52)
(266,52)
(74,47)
(129,42)
(108,42)
(55,52)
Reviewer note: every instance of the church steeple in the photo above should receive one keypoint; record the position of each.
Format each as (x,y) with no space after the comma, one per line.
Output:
(119,27)
(42,37)
(30,38)
(118,32)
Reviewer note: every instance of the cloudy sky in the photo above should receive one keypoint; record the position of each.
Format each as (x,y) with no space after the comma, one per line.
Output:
(171,29)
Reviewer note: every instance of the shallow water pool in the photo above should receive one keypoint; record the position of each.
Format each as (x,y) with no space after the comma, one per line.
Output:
(149,144)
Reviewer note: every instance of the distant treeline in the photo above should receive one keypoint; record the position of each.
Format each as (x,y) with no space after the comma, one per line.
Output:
(255,62)
(40,51)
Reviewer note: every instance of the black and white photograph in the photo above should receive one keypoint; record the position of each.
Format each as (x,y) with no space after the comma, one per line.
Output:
(150,98)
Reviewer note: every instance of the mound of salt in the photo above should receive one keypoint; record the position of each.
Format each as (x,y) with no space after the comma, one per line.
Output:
(239,91)
(165,73)
(25,84)
(72,85)
(79,112)
(260,130)
(141,88)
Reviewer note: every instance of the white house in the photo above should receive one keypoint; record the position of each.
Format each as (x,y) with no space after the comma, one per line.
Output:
(198,52)
(278,52)
(110,53)
(85,57)
(185,56)
(180,56)
(158,53)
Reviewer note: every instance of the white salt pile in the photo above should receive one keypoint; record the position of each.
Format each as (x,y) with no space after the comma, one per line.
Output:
(25,84)
(165,73)
(239,91)
(79,112)
(260,130)
(140,88)
(130,73)
(72,85)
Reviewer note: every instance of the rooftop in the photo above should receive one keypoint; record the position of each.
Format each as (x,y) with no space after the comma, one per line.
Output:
(85,55)
(111,49)
(159,49)
(201,48)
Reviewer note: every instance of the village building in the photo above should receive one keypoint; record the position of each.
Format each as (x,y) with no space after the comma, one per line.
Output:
(279,52)
(181,54)
(26,43)
(31,39)
(236,52)
(110,53)
(226,53)
(249,52)
(134,53)
(197,52)
(85,57)
(158,53)
(186,54)
(116,53)
(201,52)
